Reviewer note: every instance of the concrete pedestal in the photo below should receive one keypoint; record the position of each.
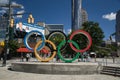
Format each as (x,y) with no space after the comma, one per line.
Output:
(55,68)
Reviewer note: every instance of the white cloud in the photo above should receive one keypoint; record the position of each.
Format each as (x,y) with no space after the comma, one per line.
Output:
(20,12)
(68,31)
(111,16)
(2,11)
(3,1)
(16,4)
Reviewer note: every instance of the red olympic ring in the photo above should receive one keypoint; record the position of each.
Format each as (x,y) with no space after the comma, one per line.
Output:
(84,33)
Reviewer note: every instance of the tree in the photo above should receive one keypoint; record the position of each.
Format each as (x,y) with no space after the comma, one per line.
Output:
(96,33)
(13,46)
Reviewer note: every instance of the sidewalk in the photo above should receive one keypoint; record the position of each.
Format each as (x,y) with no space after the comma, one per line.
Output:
(6,74)
(12,75)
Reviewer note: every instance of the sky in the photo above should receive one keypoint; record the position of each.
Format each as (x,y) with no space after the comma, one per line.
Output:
(59,12)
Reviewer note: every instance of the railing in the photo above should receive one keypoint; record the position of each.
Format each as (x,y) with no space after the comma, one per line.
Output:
(115,71)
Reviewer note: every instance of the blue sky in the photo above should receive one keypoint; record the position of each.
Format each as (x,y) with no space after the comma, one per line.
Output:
(59,12)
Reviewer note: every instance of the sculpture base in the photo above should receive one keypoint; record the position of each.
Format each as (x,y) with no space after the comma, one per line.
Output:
(55,68)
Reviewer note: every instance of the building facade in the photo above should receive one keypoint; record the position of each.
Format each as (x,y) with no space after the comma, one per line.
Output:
(118,27)
(54,27)
(84,15)
(3,26)
(117,36)
(76,14)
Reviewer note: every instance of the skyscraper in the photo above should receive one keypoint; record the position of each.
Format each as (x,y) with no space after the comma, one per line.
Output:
(117,36)
(118,27)
(76,14)
(84,15)
(3,25)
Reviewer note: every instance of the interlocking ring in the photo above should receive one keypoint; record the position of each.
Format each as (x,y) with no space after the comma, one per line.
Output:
(48,48)
(53,51)
(31,33)
(84,33)
(57,37)
(59,53)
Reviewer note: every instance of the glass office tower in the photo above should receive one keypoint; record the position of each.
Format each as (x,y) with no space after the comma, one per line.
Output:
(118,27)
(117,36)
(76,14)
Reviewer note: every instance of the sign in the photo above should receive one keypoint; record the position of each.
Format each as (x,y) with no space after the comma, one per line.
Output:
(29,27)
(23,28)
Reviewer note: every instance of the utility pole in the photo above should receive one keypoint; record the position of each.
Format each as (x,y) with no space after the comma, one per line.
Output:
(6,49)
(7,35)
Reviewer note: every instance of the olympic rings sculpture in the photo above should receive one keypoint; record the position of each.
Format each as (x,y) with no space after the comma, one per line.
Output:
(53,49)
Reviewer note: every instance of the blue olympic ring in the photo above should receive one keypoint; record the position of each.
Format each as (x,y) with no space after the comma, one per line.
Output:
(29,34)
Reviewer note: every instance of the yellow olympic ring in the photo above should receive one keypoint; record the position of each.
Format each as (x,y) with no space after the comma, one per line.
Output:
(46,59)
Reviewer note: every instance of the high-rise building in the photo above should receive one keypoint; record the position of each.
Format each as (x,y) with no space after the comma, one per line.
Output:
(3,25)
(84,15)
(118,27)
(54,27)
(117,36)
(51,27)
(76,14)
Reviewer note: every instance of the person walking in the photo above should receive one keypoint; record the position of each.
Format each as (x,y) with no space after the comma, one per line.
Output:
(27,57)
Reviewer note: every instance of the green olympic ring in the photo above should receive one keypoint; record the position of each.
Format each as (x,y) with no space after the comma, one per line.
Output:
(62,58)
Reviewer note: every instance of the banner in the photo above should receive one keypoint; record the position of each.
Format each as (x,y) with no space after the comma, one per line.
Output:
(23,28)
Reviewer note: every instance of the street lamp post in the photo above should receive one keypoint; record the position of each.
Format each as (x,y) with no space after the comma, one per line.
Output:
(7,36)
(6,50)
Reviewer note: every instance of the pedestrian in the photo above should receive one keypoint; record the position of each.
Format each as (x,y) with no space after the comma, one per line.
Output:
(22,58)
(88,58)
(57,58)
(0,56)
(27,57)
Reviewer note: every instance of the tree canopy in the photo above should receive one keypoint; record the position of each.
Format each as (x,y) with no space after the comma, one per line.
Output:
(96,33)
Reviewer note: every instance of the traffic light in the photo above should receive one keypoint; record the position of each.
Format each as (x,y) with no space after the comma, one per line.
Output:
(2,43)
(30,19)
(11,22)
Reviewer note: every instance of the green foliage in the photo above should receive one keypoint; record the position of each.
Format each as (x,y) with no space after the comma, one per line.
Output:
(104,51)
(13,46)
(95,32)
(113,48)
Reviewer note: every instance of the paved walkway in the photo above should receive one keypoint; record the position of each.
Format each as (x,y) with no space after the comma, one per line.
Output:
(12,75)
(6,74)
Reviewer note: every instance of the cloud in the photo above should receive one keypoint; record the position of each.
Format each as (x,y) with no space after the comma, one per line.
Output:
(3,1)
(5,9)
(20,12)
(111,16)
(68,31)
(2,11)
(16,4)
